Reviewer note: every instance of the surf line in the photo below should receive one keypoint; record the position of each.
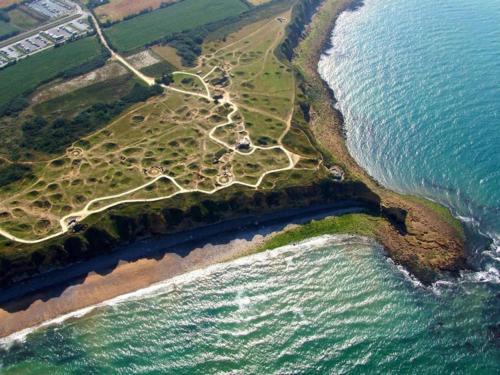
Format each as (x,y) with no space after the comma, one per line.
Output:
(172,284)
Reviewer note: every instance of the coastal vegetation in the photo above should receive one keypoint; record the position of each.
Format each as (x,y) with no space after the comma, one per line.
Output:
(239,133)
(357,224)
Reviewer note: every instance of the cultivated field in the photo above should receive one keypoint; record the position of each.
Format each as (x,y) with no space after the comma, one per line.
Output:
(27,74)
(169,54)
(185,15)
(6,3)
(117,10)
(221,123)
(6,28)
(23,20)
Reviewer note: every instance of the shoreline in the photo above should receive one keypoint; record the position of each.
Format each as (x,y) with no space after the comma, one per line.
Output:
(189,275)
(428,234)
(472,238)
(431,241)
(145,263)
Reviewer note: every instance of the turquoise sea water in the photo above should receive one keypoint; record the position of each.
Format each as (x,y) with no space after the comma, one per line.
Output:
(418,81)
(330,305)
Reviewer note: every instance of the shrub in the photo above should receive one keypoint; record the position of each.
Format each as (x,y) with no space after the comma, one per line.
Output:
(14,172)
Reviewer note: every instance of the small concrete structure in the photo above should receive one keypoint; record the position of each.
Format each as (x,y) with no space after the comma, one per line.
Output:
(336,172)
(243,144)
(72,221)
(154,171)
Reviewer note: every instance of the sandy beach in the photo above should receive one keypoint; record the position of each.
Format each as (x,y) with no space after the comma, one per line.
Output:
(179,254)
(126,277)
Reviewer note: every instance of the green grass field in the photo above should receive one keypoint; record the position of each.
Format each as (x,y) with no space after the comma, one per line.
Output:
(22,19)
(6,28)
(360,224)
(188,14)
(68,105)
(27,74)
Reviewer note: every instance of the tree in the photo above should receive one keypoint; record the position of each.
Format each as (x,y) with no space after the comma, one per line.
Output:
(165,79)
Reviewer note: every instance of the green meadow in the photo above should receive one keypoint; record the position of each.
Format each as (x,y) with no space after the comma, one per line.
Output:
(185,15)
(27,74)
(6,28)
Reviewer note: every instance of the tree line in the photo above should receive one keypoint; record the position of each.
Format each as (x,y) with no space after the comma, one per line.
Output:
(55,136)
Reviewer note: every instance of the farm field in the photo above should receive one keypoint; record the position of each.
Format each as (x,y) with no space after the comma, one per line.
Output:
(212,128)
(188,14)
(27,74)
(6,3)
(168,54)
(117,10)
(22,19)
(6,29)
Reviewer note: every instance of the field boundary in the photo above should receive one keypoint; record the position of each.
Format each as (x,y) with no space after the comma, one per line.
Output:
(70,220)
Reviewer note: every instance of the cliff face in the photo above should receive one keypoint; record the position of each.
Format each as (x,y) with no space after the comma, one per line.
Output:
(419,235)
(105,232)
(425,238)
(301,16)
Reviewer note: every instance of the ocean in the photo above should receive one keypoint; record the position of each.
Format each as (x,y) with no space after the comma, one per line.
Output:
(332,304)
(418,82)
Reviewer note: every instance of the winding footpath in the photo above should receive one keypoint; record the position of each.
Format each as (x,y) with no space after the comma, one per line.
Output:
(69,220)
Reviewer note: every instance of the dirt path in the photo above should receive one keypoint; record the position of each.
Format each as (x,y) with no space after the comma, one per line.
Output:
(67,221)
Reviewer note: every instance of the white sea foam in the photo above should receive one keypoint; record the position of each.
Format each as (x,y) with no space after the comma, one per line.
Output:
(173,283)
(407,274)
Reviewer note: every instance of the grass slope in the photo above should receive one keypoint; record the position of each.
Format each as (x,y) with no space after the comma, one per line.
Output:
(27,74)
(359,224)
(188,14)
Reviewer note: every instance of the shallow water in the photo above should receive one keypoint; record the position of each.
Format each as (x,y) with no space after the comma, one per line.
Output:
(418,81)
(332,304)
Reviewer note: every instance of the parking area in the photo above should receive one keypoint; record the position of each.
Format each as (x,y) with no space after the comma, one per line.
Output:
(73,29)
(52,8)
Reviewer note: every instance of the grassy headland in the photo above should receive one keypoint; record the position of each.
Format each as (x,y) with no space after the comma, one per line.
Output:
(423,236)
(358,224)
(269,69)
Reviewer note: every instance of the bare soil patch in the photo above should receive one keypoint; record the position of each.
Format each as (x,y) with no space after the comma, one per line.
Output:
(258,2)
(143,59)
(53,91)
(117,10)
(6,3)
